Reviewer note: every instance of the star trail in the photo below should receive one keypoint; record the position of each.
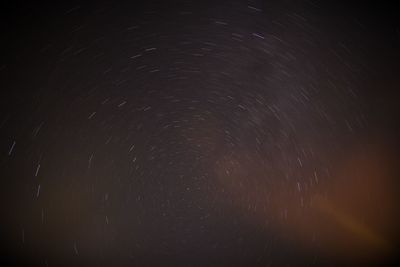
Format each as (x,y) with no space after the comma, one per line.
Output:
(199,133)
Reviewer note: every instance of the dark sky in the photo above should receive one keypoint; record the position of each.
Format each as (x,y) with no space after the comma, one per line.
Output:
(199,133)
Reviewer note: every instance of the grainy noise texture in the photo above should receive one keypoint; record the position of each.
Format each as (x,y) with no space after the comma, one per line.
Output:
(199,133)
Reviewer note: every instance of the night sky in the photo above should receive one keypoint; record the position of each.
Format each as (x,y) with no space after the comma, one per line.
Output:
(199,133)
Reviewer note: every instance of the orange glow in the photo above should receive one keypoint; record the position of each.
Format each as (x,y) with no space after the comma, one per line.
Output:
(352,216)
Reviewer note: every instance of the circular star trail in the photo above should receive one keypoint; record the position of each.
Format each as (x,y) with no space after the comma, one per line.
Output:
(227,133)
